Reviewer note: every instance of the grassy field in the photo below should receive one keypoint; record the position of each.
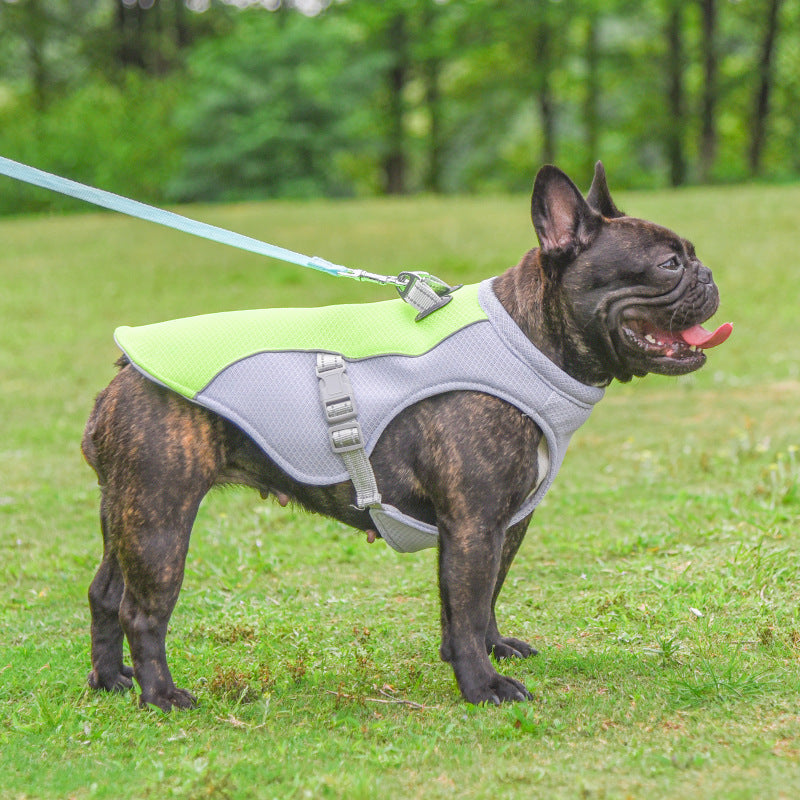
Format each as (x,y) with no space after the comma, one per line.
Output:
(659,579)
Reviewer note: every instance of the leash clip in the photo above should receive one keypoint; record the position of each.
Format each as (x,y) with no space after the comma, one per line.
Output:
(424,291)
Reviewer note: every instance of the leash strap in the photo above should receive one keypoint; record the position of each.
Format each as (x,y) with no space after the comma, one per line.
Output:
(344,432)
(420,289)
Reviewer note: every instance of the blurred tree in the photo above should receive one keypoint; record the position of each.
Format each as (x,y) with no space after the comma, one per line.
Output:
(356,96)
(436,45)
(266,108)
(410,49)
(395,161)
(129,29)
(765,73)
(151,35)
(708,105)
(781,155)
(591,107)
(43,41)
(514,54)
(676,123)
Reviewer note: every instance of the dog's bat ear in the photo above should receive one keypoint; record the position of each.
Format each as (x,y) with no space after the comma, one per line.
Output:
(564,221)
(599,198)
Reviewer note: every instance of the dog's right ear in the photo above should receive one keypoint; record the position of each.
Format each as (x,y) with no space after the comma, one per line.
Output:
(564,221)
(599,198)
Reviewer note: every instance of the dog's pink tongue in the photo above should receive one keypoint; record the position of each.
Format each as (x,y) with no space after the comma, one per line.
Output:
(698,336)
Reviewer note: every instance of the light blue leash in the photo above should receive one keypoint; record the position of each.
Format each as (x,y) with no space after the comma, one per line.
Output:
(422,290)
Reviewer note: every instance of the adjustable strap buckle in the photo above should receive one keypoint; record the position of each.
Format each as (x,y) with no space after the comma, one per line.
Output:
(424,291)
(335,388)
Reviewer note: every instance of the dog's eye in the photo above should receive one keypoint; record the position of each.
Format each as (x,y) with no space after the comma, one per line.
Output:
(671,263)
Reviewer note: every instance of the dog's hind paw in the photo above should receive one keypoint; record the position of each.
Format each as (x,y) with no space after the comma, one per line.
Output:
(507,647)
(113,682)
(174,698)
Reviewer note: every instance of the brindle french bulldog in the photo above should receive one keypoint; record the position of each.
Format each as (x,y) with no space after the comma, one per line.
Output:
(605,296)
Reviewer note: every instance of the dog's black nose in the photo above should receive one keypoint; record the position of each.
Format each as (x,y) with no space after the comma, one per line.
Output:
(704,274)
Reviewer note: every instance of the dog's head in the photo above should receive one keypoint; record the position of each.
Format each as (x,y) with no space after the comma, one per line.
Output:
(630,296)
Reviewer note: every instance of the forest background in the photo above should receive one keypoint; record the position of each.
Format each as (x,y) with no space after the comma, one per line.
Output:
(204,100)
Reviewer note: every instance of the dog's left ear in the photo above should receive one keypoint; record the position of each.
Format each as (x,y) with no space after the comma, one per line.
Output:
(599,198)
(564,221)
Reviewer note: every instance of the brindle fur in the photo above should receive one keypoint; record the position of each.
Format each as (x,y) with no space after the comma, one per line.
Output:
(157,455)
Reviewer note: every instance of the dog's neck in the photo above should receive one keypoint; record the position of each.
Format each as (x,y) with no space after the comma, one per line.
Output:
(543,313)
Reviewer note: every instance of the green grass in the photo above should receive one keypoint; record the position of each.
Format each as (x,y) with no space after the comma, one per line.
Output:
(659,579)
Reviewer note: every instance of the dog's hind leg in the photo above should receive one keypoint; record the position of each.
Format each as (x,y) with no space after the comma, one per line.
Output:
(152,555)
(156,456)
(154,510)
(105,595)
(173,459)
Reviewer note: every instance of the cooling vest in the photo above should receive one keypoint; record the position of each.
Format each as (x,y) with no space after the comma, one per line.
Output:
(258,370)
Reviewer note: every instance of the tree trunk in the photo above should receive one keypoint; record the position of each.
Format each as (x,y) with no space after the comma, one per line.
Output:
(433,97)
(676,100)
(764,88)
(182,37)
(591,101)
(542,58)
(35,38)
(394,164)
(128,22)
(708,107)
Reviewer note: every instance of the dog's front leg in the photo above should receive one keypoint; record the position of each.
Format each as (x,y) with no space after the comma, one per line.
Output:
(469,562)
(498,645)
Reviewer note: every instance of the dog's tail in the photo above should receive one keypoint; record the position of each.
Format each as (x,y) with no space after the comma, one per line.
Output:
(88,441)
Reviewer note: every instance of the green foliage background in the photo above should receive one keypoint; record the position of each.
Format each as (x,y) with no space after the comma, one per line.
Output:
(167,103)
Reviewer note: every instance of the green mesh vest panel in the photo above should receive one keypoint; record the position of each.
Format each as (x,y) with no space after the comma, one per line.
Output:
(186,354)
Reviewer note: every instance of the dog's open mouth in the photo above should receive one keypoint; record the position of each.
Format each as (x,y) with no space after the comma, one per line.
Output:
(686,345)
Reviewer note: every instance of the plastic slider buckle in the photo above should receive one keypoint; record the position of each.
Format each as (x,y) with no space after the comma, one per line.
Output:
(335,389)
(345,438)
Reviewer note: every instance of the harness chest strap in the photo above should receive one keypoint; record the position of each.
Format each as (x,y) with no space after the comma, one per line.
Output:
(347,441)
(344,432)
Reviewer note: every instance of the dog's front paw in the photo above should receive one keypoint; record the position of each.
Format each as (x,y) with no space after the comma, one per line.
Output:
(113,681)
(166,701)
(498,689)
(508,647)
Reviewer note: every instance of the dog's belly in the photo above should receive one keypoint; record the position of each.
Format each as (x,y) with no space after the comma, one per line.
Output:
(404,442)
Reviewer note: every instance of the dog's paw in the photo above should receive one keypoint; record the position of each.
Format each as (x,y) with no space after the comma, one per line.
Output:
(498,689)
(112,682)
(166,701)
(508,647)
